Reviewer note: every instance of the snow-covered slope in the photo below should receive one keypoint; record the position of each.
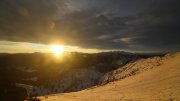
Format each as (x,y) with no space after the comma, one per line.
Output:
(133,68)
(153,79)
(75,80)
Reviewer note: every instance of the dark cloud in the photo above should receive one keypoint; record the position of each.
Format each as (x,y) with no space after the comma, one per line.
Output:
(158,26)
(27,20)
(136,25)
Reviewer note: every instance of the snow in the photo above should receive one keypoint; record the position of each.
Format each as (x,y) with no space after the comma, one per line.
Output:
(75,80)
(26,69)
(29,88)
(32,79)
(152,82)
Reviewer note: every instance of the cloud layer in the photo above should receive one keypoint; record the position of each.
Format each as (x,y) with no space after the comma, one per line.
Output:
(133,25)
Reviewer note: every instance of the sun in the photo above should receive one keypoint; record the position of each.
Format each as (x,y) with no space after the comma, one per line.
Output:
(57,49)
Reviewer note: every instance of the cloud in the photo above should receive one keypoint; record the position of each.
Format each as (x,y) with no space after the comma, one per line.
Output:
(21,47)
(26,20)
(125,40)
(157,28)
(118,24)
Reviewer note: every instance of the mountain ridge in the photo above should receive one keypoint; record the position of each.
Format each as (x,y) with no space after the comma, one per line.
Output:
(159,83)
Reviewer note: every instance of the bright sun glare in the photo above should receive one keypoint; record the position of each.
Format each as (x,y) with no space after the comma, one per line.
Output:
(57,49)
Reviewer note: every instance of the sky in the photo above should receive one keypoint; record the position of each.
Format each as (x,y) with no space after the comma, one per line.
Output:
(90,25)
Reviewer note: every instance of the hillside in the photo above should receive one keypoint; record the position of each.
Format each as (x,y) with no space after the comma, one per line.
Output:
(75,72)
(146,80)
